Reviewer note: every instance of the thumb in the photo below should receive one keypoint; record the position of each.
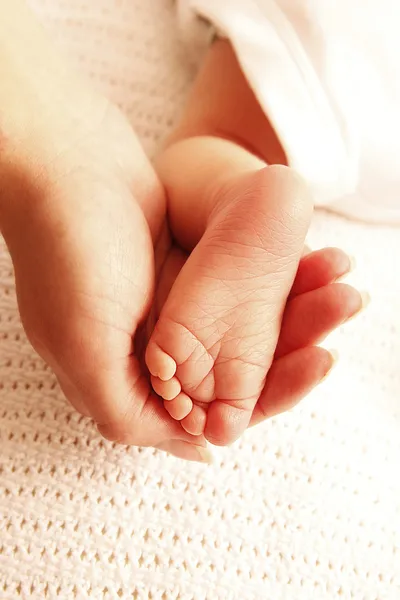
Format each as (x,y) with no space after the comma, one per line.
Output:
(186,450)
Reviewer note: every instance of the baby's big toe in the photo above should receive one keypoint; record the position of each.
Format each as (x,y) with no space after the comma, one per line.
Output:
(195,421)
(159,363)
(227,421)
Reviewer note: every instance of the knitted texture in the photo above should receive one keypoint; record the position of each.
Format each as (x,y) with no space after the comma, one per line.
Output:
(306,506)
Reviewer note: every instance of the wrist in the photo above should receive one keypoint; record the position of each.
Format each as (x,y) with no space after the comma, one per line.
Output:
(37,86)
(44,109)
(30,70)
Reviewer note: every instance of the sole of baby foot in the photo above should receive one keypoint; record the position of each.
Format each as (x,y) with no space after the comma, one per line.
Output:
(221,321)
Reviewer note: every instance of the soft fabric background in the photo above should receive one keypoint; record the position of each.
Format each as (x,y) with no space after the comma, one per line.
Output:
(306,506)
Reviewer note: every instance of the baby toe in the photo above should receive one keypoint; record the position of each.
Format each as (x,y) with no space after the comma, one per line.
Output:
(195,421)
(159,363)
(168,390)
(179,407)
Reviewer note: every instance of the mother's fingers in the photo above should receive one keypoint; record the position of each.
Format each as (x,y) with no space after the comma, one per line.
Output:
(120,402)
(310,317)
(298,365)
(187,450)
(290,379)
(320,268)
(154,427)
(73,396)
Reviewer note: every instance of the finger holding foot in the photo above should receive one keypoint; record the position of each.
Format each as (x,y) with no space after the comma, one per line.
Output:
(299,366)
(319,268)
(310,317)
(290,379)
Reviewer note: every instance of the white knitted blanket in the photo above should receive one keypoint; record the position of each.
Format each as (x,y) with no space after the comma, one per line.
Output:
(305,507)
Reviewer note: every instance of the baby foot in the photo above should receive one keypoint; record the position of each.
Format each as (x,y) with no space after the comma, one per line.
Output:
(216,336)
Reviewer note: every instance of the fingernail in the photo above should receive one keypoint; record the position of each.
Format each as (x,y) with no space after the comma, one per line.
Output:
(353,264)
(352,267)
(187,451)
(365,299)
(335,357)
